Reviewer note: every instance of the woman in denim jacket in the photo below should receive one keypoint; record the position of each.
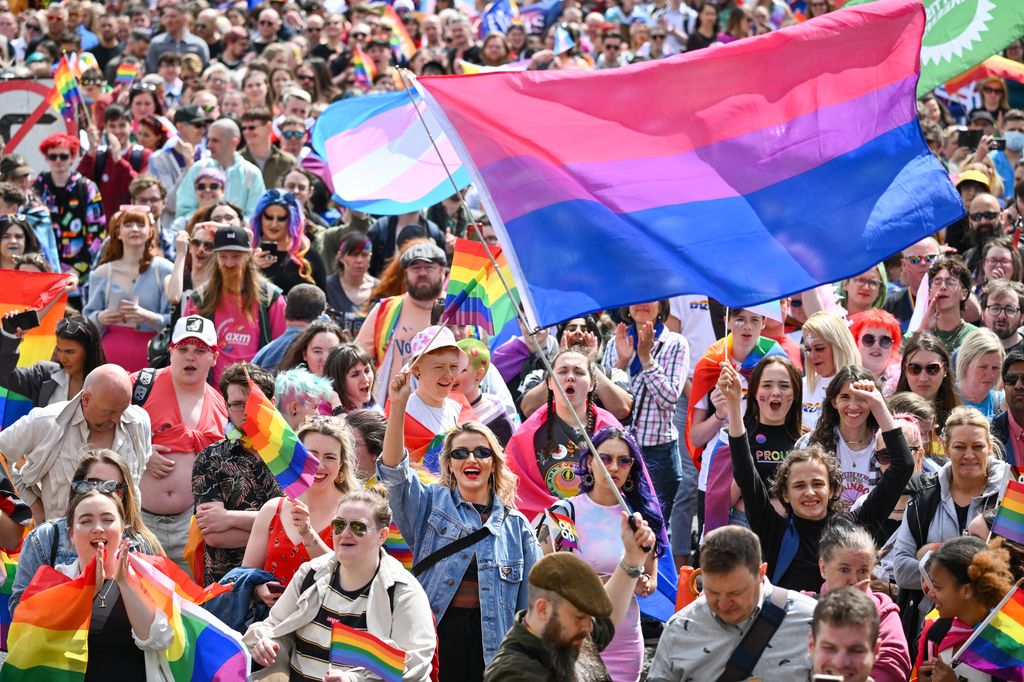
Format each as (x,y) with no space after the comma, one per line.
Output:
(474,593)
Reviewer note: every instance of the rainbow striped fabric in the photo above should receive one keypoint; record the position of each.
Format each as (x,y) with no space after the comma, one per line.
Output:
(401,42)
(127,72)
(269,435)
(396,546)
(993,67)
(10,563)
(1009,521)
(359,649)
(998,647)
(702,184)
(66,95)
(363,68)
(564,533)
(381,158)
(203,649)
(48,639)
(23,290)
(475,292)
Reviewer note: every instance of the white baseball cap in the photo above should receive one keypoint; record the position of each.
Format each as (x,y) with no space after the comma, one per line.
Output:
(195,327)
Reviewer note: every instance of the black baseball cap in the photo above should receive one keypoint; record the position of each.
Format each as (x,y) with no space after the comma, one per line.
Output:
(231,239)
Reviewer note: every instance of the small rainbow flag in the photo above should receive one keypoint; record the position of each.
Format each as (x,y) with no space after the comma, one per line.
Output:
(359,649)
(397,547)
(269,435)
(363,68)
(1009,521)
(565,536)
(997,645)
(49,637)
(203,649)
(23,290)
(476,295)
(993,67)
(401,42)
(65,95)
(127,72)
(11,568)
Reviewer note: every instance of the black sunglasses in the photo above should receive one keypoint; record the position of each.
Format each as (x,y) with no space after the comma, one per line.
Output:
(61,157)
(358,528)
(201,244)
(985,215)
(883,341)
(106,487)
(478,452)
(72,327)
(1013,379)
(882,456)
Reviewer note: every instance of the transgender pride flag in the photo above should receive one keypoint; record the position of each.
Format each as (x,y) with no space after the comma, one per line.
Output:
(380,156)
(745,172)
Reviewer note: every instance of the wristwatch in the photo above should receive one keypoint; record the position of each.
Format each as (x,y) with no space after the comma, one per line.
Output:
(633,572)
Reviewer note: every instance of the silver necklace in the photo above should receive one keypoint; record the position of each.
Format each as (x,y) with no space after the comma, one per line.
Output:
(103,595)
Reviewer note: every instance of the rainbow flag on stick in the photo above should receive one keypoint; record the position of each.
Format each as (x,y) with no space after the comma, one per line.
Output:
(127,72)
(203,648)
(359,649)
(269,435)
(1009,521)
(476,295)
(401,42)
(23,290)
(66,95)
(997,645)
(363,69)
(564,533)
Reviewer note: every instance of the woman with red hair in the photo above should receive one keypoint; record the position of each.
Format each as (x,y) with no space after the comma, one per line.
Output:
(74,203)
(878,339)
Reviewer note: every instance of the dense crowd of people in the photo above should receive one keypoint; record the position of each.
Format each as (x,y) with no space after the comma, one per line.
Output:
(831,467)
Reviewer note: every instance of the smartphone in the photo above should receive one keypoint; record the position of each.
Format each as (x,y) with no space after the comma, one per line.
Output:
(968,138)
(25,320)
(269,247)
(998,143)
(275,588)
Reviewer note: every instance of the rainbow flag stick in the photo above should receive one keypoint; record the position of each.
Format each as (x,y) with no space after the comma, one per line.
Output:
(997,644)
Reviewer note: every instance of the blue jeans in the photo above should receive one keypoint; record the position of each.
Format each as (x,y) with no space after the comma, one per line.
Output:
(684,505)
(663,465)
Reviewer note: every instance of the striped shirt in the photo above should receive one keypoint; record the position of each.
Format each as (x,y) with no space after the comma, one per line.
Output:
(313,641)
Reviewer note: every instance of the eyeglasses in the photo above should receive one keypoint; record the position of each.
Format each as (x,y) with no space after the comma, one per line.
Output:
(921,260)
(882,456)
(1008,310)
(202,26)
(314,29)
(984,215)
(998,261)
(211,187)
(201,244)
(58,157)
(623,461)
(478,452)
(237,406)
(358,528)
(1013,379)
(304,77)
(106,487)
(948,282)
(883,341)
(265,22)
(250,128)
(796,303)
(992,91)
(616,48)
(33,27)
(931,369)
(657,36)
(869,283)
(293,188)
(143,87)
(92,81)
(293,134)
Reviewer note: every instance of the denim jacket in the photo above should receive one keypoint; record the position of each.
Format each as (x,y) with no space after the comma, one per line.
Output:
(433,516)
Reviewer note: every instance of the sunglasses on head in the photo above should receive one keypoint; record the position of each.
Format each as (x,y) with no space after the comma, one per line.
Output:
(478,452)
(358,528)
(883,341)
(143,87)
(72,327)
(931,369)
(106,487)
(58,157)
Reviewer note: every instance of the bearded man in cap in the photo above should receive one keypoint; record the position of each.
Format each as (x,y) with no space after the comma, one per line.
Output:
(571,615)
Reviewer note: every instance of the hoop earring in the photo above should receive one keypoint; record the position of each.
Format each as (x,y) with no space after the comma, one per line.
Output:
(588,480)
(628,486)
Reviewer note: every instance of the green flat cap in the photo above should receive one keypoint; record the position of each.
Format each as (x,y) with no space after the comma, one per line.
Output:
(571,578)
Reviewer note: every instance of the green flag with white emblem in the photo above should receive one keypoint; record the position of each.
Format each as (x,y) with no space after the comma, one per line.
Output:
(960,34)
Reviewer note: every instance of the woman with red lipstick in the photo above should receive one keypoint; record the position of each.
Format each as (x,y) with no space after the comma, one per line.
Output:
(828,347)
(809,484)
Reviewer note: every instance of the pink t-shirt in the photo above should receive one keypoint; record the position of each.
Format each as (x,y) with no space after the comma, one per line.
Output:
(168,426)
(238,334)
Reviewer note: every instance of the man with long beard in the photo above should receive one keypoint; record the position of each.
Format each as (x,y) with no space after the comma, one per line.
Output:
(391,325)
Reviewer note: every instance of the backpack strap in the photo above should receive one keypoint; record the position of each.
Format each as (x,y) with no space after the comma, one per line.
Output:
(54,546)
(135,157)
(265,317)
(143,386)
(453,547)
(746,655)
(102,152)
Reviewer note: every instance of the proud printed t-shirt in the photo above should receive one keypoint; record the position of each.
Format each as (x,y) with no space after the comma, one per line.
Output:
(769,446)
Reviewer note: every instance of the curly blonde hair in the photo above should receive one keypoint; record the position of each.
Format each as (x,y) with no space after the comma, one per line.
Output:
(504,481)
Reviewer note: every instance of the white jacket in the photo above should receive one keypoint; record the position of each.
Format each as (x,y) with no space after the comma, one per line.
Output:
(45,446)
(410,626)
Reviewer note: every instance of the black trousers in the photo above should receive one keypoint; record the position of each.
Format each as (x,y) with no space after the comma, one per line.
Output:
(460,646)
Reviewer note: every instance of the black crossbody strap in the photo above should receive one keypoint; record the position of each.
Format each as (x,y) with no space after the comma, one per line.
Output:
(746,655)
(449,549)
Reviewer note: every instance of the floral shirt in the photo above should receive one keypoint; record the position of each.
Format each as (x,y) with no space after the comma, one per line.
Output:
(78,220)
(227,472)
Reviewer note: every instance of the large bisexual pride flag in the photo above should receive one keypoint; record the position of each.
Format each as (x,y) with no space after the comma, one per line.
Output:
(20,291)
(745,171)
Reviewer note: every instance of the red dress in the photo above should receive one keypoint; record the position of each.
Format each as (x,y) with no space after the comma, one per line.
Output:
(284,558)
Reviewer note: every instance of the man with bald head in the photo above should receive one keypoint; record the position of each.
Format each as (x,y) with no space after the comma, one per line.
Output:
(45,446)
(917,258)
(245,183)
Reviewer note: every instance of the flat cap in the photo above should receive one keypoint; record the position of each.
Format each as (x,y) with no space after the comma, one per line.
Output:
(571,578)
